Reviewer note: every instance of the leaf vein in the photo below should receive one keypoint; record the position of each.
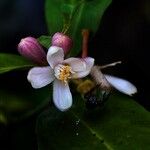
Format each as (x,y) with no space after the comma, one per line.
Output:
(98,136)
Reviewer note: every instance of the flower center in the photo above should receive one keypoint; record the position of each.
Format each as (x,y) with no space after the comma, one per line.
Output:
(63,72)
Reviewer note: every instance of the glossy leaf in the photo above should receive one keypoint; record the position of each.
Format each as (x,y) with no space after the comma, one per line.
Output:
(77,14)
(121,125)
(45,41)
(9,62)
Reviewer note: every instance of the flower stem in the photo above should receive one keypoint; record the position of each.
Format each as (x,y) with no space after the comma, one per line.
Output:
(66,28)
(85,35)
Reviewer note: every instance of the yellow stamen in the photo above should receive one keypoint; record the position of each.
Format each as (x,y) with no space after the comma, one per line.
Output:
(64,73)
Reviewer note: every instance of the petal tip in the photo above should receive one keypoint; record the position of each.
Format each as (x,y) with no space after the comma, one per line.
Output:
(64,109)
(62,96)
(55,55)
(133,91)
(54,49)
(40,76)
(122,85)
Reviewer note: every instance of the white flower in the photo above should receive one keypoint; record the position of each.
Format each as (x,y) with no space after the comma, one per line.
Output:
(60,71)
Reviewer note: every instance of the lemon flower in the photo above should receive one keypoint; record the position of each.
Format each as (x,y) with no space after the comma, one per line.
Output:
(60,71)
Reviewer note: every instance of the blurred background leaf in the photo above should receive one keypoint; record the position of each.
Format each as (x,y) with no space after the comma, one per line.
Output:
(121,125)
(77,14)
(18,100)
(9,62)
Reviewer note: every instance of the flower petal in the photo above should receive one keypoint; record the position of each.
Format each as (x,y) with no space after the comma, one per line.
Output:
(40,76)
(122,85)
(77,64)
(61,95)
(55,56)
(89,64)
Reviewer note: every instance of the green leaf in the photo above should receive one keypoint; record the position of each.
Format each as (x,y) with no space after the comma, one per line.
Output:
(77,14)
(121,125)
(18,100)
(45,41)
(3,117)
(9,62)
(22,103)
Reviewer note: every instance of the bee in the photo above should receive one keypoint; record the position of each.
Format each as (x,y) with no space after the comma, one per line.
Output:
(93,94)
(96,91)
(98,95)
(96,98)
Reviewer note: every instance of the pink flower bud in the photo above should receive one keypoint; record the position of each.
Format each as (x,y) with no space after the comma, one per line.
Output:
(32,50)
(63,41)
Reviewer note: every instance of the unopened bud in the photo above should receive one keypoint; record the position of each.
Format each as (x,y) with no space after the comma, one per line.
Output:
(32,50)
(63,41)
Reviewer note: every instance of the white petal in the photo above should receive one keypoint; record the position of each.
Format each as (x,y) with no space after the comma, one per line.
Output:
(122,85)
(61,95)
(40,76)
(89,64)
(76,64)
(55,56)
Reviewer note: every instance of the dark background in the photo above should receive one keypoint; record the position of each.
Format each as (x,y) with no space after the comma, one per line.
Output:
(123,35)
